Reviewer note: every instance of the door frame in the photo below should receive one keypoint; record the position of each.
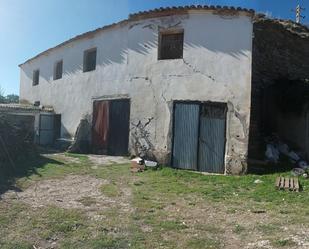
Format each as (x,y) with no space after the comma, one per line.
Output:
(110,98)
(200,103)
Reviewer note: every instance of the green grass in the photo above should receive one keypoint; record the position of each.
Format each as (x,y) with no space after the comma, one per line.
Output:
(81,157)
(205,243)
(169,209)
(110,190)
(284,243)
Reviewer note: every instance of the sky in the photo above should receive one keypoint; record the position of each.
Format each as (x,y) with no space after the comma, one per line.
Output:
(28,27)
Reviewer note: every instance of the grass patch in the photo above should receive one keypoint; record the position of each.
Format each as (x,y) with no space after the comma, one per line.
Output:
(110,190)
(15,245)
(172,225)
(81,157)
(161,200)
(205,243)
(87,201)
(284,243)
(268,229)
(238,229)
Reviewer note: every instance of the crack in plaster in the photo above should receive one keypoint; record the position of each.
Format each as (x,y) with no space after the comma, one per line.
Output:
(195,70)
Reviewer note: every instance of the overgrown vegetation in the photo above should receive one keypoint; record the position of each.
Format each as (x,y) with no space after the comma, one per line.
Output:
(10,98)
(166,208)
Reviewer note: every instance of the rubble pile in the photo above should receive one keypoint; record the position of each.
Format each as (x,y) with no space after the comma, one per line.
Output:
(15,140)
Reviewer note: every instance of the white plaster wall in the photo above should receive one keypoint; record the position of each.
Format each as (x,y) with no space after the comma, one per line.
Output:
(216,66)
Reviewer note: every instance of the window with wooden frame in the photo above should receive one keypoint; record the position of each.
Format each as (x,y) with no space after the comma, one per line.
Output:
(171,45)
(58,68)
(90,60)
(35,77)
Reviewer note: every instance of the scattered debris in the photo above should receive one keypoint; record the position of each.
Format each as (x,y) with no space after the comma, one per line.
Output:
(272,153)
(297,172)
(137,165)
(275,148)
(287,183)
(257,181)
(151,164)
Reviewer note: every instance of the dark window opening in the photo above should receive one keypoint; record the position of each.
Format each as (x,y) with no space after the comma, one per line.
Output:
(58,70)
(90,60)
(57,126)
(171,46)
(37,103)
(36,77)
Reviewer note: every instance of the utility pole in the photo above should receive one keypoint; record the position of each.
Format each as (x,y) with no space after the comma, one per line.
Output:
(299,9)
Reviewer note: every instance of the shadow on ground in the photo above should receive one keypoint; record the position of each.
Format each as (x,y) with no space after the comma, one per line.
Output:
(22,166)
(269,168)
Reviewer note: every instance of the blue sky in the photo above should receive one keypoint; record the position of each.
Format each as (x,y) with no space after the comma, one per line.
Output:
(28,27)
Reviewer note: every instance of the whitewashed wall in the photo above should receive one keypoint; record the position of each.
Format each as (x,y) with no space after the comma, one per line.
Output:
(216,67)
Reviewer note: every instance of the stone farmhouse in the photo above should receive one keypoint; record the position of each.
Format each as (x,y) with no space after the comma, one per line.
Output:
(193,87)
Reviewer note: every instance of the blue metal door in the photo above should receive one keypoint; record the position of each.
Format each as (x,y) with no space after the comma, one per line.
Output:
(185,144)
(212,138)
(46,131)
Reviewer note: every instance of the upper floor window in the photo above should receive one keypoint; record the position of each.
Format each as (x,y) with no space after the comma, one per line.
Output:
(171,45)
(58,70)
(90,60)
(35,77)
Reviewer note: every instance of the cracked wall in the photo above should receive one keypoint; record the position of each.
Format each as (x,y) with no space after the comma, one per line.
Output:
(216,66)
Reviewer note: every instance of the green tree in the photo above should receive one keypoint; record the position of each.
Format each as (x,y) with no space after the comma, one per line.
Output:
(2,98)
(12,98)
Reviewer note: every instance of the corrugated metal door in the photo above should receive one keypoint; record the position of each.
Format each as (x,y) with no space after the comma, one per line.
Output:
(212,138)
(46,133)
(185,144)
(119,119)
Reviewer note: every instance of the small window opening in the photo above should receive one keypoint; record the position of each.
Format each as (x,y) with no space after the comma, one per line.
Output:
(58,70)
(37,103)
(36,77)
(90,60)
(171,45)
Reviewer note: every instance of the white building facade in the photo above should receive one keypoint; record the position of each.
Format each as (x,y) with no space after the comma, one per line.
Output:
(210,64)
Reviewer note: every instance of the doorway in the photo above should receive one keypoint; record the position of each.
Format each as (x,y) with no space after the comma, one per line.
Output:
(110,127)
(199,136)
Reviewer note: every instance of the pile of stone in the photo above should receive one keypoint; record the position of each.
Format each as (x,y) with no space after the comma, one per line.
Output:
(14,141)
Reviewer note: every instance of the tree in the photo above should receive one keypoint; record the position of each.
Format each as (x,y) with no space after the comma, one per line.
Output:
(12,98)
(2,98)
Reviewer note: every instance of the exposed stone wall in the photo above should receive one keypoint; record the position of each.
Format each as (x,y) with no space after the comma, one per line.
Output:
(280,51)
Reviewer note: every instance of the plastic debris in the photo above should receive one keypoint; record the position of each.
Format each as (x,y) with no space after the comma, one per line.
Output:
(293,156)
(275,148)
(150,163)
(297,172)
(272,153)
(303,164)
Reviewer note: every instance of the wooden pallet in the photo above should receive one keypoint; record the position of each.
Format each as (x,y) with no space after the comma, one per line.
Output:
(287,183)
